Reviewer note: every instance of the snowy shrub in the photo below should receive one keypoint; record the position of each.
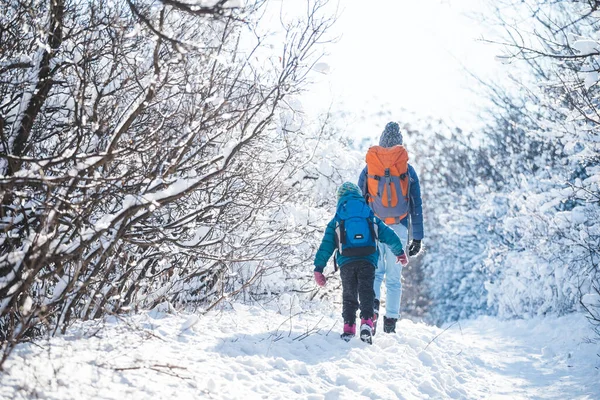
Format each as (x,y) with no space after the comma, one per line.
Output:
(555,207)
(522,247)
(142,157)
(515,228)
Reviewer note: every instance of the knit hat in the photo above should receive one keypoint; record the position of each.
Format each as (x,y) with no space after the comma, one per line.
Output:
(391,135)
(347,187)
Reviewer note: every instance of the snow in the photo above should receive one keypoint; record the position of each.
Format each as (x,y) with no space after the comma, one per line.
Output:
(266,352)
(586,46)
(591,300)
(27,304)
(59,289)
(322,68)
(590,79)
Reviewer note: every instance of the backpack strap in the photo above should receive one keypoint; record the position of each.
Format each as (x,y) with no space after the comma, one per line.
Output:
(341,230)
(396,220)
(368,196)
(338,236)
(338,246)
(374,228)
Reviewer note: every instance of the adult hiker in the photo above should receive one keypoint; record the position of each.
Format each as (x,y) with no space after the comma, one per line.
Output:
(391,187)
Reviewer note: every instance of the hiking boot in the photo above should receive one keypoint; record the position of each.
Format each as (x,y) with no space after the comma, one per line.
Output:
(389,324)
(349,331)
(366,330)
(375,315)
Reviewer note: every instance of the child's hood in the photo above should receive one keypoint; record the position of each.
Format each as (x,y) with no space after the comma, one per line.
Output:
(350,196)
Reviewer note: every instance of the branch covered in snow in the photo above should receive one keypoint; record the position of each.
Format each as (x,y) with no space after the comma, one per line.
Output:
(142,159)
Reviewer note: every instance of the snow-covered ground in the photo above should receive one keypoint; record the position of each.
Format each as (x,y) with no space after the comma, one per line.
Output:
(274,352)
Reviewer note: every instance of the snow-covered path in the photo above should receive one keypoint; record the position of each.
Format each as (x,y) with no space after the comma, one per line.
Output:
(539,359)
(251,352)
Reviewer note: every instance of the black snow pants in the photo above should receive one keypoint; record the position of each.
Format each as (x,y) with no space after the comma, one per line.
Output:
(357,284)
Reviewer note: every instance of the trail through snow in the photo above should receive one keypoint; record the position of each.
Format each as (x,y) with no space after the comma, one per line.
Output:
(253,352)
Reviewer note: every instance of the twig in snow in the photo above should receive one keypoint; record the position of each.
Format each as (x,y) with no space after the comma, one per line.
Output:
(286,320)
(161,368)
(329,331)
(439,334)
(461,335)
(136,328)
(309,332)
(291,323)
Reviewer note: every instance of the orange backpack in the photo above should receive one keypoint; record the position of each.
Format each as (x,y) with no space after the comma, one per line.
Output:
(388,182)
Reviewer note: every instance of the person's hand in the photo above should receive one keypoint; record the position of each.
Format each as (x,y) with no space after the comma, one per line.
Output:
(402,259)
(414,248)
(320,279)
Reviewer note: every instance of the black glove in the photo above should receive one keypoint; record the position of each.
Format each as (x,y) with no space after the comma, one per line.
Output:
(414,247)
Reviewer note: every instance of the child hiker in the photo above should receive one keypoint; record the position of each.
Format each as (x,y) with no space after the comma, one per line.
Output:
(354,232)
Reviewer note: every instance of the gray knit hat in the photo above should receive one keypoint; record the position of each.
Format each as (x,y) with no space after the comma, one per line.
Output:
(391,135)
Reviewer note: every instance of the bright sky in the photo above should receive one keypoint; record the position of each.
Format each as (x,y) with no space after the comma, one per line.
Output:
(411,55)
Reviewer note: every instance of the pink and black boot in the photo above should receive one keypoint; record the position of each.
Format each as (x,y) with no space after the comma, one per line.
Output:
(349,331)
(366,330)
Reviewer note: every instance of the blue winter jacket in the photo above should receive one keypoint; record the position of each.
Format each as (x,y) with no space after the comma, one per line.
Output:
(416,207)
(328,245)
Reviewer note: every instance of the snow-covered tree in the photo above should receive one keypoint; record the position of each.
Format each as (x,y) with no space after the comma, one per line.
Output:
(521,231)
(144,155)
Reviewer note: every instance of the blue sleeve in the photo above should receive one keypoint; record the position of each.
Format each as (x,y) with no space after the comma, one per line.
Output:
(387,236)
(416,205)
(362,181)
(326,248)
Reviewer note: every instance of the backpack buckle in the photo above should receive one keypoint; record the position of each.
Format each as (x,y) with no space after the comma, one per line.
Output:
(387,172)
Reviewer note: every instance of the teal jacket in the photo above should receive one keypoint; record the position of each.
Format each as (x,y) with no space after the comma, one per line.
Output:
(328,245)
